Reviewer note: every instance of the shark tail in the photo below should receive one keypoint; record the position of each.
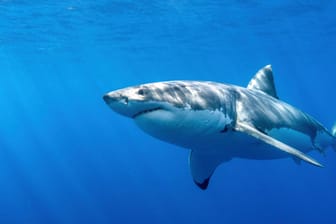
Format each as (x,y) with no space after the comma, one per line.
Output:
(333,132)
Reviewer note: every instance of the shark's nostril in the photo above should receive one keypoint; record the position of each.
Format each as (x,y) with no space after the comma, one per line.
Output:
(110,98)
(124,99)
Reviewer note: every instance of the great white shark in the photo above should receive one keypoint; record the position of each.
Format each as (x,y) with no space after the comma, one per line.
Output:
(218,122)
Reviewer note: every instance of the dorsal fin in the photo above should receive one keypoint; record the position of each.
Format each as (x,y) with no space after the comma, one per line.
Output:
(263,81)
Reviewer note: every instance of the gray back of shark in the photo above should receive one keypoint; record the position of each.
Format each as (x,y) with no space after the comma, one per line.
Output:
(219,122)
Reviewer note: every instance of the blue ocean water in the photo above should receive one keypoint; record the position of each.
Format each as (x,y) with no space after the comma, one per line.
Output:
(65,157)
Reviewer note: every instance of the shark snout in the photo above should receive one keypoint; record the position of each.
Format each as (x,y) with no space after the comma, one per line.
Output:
(121,104)
(114,97)
(108,99)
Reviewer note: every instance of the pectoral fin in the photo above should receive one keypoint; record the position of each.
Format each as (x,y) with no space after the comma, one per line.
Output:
(203,165)
(245,128)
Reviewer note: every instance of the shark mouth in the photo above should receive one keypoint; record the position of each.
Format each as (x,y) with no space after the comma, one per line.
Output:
(145,112)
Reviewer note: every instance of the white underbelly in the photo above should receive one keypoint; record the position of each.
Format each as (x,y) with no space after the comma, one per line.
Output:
(237,144)
(201,131)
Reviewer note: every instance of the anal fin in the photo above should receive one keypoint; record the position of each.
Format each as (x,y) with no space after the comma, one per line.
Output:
(245,128)
(297,160)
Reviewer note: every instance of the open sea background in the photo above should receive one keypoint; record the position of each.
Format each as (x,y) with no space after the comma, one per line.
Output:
(65,157)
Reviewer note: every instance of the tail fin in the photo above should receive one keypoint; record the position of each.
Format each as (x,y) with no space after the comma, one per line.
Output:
(333,132)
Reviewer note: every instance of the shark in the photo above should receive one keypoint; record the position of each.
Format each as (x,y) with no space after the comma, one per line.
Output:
(218,122)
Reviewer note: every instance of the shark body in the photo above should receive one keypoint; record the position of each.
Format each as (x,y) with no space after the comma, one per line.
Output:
(218,122)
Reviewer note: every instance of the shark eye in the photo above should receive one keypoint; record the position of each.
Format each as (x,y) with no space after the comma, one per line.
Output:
(141,92)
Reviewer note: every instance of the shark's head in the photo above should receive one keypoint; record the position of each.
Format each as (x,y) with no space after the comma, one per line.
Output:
(141,100)
(175,111)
